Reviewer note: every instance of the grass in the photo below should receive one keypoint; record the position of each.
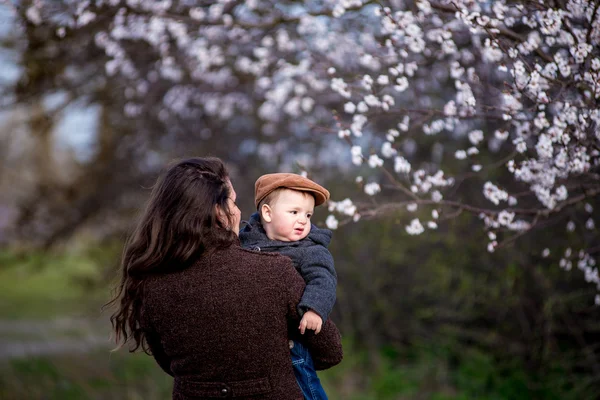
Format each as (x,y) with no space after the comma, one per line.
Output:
(42,287)
(97,375)
(120,375)
(438,371)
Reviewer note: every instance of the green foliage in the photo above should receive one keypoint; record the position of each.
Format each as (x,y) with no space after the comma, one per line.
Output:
(511,324)
(42,285)
(97,375)
(438,372)
(421,372)
(435,317)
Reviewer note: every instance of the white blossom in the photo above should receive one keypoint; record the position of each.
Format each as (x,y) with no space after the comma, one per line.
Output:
(475,137)
(383,79)
(345,206)
(349,108)
(472,150)
(387,150)
(372,188)
(367,82)
(375,161)
(358,122)
(338,85)
(401,165)
(372,101)
(356,152)
(450,108)
(404,124)
(561,193)
(580,52)
(362,107)
(505,217)
(401,84)
(546,252)
(493,193)
(392,135)
(501,135)
(520,144)
(415,227)
(33,15)
(589,224)
(544,147)
(331,222)
(460,154)
(343,133)
(388,101)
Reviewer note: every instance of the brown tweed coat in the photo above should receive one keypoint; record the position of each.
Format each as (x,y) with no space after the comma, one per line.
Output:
(221,327)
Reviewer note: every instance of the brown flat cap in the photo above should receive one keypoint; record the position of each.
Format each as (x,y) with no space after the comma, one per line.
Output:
(269,182)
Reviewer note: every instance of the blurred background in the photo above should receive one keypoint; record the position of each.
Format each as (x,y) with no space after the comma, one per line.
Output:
(422,317)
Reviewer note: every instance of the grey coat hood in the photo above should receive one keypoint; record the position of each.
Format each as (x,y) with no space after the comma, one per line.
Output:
(253,234)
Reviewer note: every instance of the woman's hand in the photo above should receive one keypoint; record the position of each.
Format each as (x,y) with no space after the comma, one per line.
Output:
(311,320)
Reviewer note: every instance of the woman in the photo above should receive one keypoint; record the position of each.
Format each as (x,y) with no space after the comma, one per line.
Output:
(215,317)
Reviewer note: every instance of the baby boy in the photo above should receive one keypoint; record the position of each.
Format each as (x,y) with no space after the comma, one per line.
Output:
(285,204)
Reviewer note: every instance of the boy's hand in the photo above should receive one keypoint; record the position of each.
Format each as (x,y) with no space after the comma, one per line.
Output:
(310,320)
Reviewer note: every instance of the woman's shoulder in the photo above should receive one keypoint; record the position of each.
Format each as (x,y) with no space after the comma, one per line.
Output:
(253,262)
(262,256)
(255,254)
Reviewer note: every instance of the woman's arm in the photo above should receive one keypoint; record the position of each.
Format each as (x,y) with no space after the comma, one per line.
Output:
(158,352)
(154,344)
(326,347)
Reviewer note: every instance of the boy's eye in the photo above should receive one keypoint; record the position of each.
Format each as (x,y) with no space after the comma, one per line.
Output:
(294,212)
(308,215)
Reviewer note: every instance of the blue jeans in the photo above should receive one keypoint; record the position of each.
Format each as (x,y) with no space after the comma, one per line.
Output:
(306,376)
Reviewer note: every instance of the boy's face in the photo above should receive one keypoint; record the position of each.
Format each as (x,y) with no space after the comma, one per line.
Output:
(288,218)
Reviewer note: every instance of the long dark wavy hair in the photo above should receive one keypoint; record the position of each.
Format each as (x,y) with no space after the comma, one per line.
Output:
(179,225)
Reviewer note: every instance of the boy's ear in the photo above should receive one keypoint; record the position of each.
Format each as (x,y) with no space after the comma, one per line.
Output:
(266,213)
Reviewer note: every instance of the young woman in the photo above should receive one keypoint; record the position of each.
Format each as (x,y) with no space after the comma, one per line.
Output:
(214,316)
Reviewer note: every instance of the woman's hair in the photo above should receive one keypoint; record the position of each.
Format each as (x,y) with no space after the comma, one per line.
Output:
(179,224)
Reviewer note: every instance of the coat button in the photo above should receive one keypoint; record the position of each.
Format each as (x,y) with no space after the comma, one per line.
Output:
(224,392)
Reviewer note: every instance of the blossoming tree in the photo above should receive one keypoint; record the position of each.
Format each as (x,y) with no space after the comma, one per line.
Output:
(429,96)
(526,86)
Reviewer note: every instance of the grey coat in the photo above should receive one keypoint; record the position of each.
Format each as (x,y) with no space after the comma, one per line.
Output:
(310,257)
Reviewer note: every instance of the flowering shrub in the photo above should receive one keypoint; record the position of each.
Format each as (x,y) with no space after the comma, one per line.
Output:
(502,94)
(518,82)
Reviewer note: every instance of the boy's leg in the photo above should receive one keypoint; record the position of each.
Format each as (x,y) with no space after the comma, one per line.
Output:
(306,376)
